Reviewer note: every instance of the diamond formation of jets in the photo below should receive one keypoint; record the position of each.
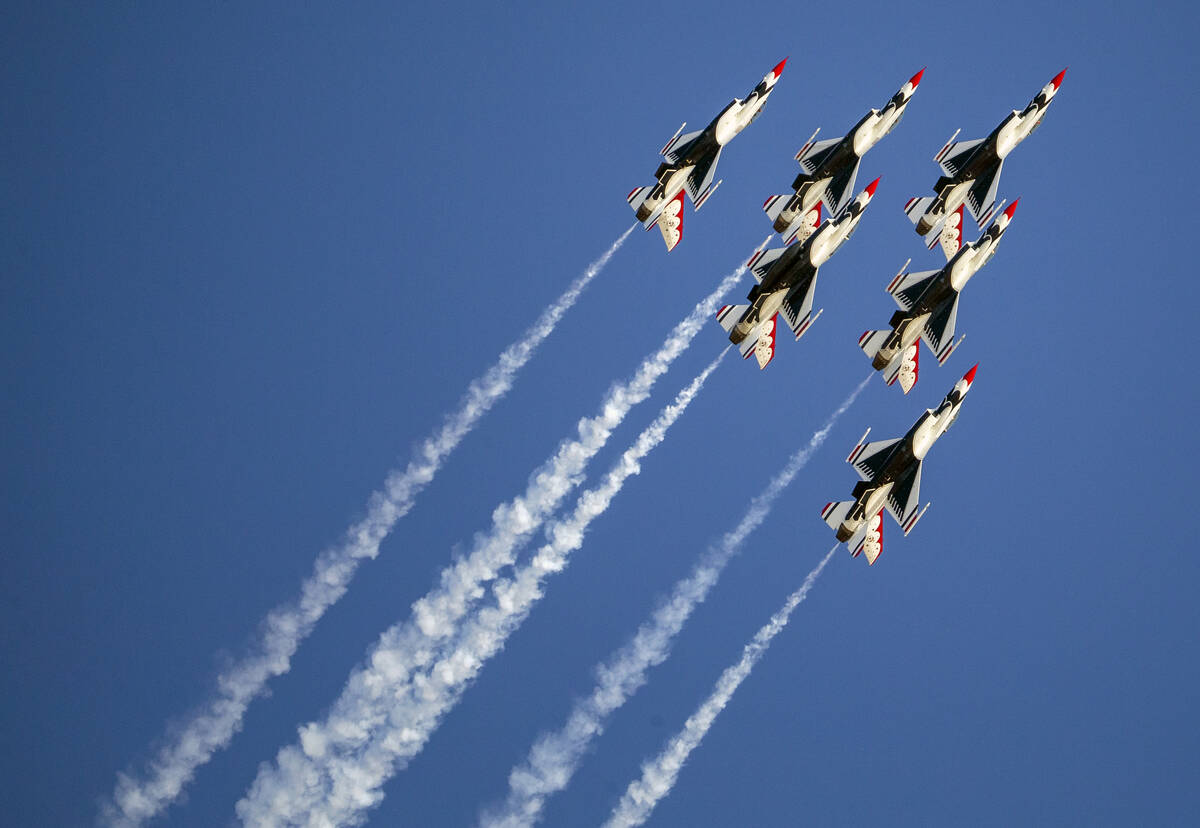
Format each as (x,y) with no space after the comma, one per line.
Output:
(891,478)
(691,161)
(786,284)
(971,169)
(928,303)
(829,168)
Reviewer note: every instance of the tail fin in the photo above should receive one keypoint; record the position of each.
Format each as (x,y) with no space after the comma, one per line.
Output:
(870,539)
(872,341)
(905,367)
(730,315)
(670,221)
(835,513)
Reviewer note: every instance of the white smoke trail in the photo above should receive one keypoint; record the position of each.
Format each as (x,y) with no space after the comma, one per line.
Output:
(554,757)
(328,772)
(212,726)
(659,775)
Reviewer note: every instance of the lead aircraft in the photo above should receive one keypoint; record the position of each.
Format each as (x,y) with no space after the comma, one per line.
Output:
(971,169)
(691,161)
(891,478)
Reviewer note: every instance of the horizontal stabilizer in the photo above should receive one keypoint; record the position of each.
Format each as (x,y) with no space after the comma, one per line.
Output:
(638,196)
(776,204)
(872,341)
(917,207)
(730,315)
(954,156)
(815,154)
(835,513)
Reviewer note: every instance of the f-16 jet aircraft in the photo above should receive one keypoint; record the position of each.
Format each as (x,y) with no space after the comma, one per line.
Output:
(891,478)
(972,168)
(787,280)
(692,161)
(928,303)
(829,167)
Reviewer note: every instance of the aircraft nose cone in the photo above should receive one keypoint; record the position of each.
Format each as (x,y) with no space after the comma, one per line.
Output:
(1012,208)
(970,375)
(915,80)
(778,70)
(1058,79)
(871,187)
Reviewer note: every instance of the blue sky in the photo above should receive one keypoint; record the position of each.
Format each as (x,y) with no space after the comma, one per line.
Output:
(252,256)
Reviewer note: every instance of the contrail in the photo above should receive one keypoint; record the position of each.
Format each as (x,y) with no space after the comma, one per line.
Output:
(554,757)
(301,780)
(211,727)
(658,776)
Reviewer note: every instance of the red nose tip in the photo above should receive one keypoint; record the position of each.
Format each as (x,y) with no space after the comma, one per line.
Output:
(871,187)
(778,70)
(915,80)
(1012,208)
(970,375)
(1058,79)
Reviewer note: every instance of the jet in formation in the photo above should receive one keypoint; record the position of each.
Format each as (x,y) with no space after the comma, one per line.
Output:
(971,169)
(829,168)
(786,283)
(928,303)
(891,478)
(691,161)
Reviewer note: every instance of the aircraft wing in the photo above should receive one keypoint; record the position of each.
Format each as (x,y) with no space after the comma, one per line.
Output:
(797,306)
(981,198)
(907,288)
(868,459)
(840,189)
(700,180)
(678,146)
(812,155)
(938,332)
(904,500)
(954,157)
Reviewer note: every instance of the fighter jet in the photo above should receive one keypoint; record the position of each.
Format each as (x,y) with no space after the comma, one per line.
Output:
(691,162)
(972,168)
(928,303)
(828,169)
(891,478)
(787,280)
